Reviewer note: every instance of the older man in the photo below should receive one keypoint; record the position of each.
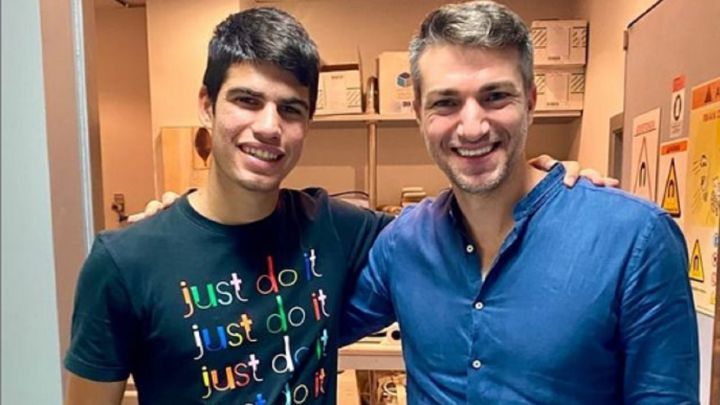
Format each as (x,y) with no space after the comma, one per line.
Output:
(510,288)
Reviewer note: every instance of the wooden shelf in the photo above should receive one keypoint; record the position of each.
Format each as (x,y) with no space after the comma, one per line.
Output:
(556,117)
(371,356)
(358,120)
(558,114)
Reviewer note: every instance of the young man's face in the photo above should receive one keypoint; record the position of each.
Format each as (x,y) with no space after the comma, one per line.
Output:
(258,125)
(474,113)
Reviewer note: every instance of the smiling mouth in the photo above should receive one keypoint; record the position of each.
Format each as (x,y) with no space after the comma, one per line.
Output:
(260,154)
(476,152)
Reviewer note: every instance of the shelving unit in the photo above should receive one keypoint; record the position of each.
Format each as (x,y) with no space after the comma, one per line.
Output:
(373,121)
(371,356)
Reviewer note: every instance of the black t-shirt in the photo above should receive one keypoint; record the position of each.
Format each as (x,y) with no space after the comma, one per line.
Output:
(200,312)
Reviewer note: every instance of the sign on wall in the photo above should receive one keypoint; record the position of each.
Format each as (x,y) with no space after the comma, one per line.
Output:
(645,136)
(672,166)
(703,193)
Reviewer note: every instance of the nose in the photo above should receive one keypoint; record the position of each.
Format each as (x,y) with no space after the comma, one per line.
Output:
(267,123)
(473,123)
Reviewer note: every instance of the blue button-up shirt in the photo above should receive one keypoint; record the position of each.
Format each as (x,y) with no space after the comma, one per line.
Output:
(588,302)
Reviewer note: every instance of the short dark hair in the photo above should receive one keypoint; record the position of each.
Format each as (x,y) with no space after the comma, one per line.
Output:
(475,24)
(262,35)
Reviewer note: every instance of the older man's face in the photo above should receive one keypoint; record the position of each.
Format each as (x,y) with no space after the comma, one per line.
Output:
(474,113)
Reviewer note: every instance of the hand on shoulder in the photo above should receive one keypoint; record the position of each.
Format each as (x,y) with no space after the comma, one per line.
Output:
(154,206)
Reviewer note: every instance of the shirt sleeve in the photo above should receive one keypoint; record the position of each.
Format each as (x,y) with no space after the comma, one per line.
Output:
(658,325)
(369,307)
(357,228)
(103,323)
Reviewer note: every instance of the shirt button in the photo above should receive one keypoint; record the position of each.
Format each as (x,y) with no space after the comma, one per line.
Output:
(476,364)
(469,248)
(479,306)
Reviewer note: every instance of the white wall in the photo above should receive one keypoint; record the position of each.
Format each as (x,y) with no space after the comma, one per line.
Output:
(705,330)
(124,109)
(73,149)
(178,33)
(30,345)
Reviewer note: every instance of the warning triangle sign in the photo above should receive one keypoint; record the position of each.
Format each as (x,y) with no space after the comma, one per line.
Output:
(671,198)
(643,183)
(696,271)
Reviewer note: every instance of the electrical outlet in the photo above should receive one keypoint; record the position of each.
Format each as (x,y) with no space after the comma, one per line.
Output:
(118,202)
(118,206)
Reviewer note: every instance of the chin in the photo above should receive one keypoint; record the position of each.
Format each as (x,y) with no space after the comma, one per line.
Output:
(477,188)
(259,185)
(263,187)
(480,184)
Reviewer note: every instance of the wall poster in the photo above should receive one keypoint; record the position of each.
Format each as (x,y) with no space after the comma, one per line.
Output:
(672,166)
(702,199)
(645,136)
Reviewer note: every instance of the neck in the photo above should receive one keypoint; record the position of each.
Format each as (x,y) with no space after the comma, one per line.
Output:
(489,215)
(227,203)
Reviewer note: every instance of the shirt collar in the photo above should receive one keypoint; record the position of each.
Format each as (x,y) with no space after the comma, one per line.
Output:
(548,186)
(524,208)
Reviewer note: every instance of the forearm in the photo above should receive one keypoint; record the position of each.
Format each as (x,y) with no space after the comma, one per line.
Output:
(81,391)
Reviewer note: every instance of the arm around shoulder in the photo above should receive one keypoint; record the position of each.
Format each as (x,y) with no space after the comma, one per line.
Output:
(357,228)
(369,306)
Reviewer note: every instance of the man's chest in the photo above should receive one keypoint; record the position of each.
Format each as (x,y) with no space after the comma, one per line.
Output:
(548,314)
(238,323)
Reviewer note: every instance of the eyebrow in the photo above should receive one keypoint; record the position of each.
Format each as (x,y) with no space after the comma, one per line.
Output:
(501,85)
(244,91)
(252,93)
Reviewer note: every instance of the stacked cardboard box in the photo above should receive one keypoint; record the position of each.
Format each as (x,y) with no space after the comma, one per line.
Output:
(560,52)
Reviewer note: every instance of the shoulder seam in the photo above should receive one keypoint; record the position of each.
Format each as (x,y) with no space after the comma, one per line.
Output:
(116,267)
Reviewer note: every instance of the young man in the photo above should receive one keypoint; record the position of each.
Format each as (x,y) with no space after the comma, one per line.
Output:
(232,295)
(511,289)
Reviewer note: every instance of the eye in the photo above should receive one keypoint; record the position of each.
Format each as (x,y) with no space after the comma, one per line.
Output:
(443,103)
(291,111)
(497,99)
(248,101)
(497,96)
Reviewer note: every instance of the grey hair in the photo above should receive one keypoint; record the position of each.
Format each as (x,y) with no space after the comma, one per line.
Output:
(477,24)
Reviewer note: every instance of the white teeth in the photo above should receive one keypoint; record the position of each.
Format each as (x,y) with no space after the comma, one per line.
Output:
(474,152)
(260,154)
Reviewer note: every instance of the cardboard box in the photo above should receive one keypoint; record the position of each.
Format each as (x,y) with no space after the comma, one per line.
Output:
(339,90)
(395,83)
(559,42)
(560,89)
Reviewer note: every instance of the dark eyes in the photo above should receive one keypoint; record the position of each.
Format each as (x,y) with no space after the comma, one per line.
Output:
(493,99)
(247,100)
(290,109)
(496,96)
(285,110)
(443,103)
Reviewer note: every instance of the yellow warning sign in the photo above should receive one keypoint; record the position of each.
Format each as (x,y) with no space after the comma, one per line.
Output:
(696,265)
(671,196)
